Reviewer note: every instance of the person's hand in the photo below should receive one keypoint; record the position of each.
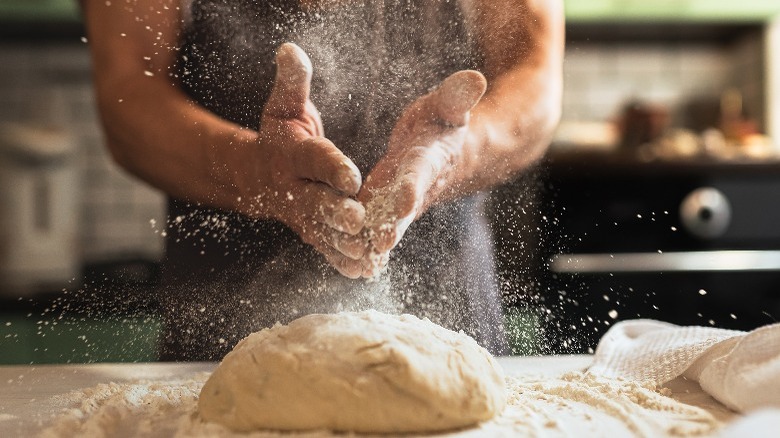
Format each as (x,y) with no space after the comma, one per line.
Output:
(300,178)
(425,144)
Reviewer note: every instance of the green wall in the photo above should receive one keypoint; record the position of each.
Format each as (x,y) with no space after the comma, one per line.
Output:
(35,340)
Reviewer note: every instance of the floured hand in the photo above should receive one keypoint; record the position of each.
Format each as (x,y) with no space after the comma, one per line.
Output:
(305,181)
(425,145)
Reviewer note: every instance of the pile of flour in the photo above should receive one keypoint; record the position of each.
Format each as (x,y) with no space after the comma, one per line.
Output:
(571,405)
(139,408)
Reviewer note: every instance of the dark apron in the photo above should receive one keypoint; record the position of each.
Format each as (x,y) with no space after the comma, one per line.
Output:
(226,275)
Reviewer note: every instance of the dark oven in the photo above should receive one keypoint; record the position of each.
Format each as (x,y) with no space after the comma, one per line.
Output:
(694,242)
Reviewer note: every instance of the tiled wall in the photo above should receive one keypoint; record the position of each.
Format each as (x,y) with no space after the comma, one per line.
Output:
(601,77)
(49,84)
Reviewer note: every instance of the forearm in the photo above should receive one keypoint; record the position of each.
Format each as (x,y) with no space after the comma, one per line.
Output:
(155,132)
(510,129)
(152,129)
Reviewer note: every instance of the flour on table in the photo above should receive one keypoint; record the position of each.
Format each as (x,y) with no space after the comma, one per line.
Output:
(372,372)
(581,404)
(571,405)
(135,409)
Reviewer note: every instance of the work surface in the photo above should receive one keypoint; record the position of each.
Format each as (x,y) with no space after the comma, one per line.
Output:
(31,397)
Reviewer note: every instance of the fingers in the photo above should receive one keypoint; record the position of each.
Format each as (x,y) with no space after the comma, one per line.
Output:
(389,235)
(318,159)
(317,205)
(326,206)
(354,247)
(374,265)
(326,240)
(341,251)
(393,210)
(456,96)
(314,201)
(349,268)
(401,199)
(344,215)
(292,84)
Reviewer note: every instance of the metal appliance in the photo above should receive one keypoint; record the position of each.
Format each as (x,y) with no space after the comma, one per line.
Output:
(693,242)
(38,210)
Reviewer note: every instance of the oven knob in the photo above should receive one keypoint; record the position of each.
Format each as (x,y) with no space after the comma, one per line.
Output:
(705,213)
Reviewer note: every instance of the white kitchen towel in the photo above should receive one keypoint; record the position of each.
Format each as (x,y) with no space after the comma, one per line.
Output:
(739,369)
(760,424)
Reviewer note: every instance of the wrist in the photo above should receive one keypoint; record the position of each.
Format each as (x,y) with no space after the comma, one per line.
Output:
(235,170)
(467,165)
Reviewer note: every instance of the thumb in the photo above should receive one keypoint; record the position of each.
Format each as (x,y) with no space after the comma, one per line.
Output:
(292,83)
(456,96)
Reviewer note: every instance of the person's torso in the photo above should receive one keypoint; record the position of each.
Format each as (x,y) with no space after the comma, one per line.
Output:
(370,59)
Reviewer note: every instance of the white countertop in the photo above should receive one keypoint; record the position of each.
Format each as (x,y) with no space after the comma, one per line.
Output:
(29,394)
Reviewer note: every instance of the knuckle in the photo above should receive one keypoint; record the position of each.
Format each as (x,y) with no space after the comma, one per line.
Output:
(349,268)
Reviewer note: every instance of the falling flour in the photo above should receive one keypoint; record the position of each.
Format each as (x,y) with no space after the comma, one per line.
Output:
(571,405)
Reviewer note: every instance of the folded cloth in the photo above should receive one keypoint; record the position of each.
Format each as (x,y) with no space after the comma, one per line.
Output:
(760,424)
(739,369)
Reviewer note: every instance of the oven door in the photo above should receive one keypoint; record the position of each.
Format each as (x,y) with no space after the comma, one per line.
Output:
(686,243)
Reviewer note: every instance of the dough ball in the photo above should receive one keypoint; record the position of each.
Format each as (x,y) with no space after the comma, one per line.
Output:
(361,372)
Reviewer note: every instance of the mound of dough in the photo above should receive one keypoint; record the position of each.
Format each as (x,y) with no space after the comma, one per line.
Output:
(360,372)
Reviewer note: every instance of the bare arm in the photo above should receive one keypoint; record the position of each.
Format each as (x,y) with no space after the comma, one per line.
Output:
(454,141)
(287,170)
(510,128)
(152,129)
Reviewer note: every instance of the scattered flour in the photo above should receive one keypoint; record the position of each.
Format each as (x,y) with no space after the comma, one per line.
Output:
(581,404)
(140,408)
(571,405)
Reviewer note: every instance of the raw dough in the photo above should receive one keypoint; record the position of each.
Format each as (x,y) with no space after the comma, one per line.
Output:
(362,372)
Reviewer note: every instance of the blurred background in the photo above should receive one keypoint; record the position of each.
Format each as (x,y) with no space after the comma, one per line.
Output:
(660,196)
